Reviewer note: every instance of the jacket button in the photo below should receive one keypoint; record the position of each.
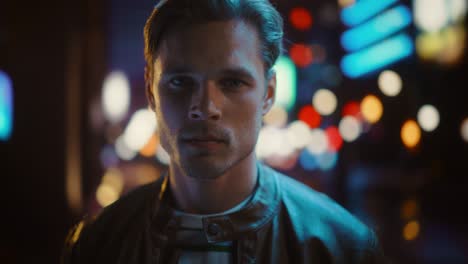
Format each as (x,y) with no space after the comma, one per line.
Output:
(213,229)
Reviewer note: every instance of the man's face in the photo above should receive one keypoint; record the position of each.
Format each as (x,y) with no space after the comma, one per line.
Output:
(210,93)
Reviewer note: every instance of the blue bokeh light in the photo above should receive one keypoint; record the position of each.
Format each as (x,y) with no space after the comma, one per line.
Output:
(377,56)
(6,107)
(308,160)
(376,29)
(364,10)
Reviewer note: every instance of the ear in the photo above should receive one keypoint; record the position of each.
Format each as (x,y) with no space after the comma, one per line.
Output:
(149,88)
(269,98)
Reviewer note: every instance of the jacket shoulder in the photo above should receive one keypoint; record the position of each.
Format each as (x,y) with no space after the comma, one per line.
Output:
(315,216)
(94,232)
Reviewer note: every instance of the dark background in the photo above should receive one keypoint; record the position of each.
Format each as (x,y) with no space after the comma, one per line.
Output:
(49,46)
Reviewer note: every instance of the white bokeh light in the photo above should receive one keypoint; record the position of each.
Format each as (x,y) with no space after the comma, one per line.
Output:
(350,128)
(272,141)
(298,134)
(115,96)
(318,143)
(464,129)
(277,116)
(390,83)
(428,118)
(162,155)
(457,9)
(139,130)
(431,15)
(122,150)
(324,101)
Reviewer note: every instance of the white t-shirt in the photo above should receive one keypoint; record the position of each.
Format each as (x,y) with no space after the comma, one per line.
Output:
(192,242)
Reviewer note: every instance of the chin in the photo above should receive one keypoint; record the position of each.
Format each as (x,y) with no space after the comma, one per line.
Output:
(204,170)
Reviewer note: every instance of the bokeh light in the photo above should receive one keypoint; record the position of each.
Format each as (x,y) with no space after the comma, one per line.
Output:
(115,96)
(390,83)
(335,142)
(350,128)
(345,3)
(108,156)
(162,155)
(298,134)
(464,129)
(445,47)
(277,116)
(410,134)
(308,160)
(149,150)
(430,15)
(377,56)
(139,130)
(113,178)
(429,45)
(454,38)
(123,151)
(318,143)
(457,9)
(301,54)
(286,78)
(409,209)
(376,29)
(6,106)
(352,108)
(300,18)
(105,195)
(428,118)
(310,116)
(411,230)
(371,109)
(327,160)
(273,141)
(324,101)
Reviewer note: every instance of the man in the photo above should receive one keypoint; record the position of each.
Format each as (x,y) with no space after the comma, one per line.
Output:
(209,80)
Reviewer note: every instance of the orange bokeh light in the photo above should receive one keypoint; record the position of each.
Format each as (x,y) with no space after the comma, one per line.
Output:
(149,149)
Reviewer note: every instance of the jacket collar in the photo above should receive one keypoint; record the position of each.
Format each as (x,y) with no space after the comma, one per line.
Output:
(258,212)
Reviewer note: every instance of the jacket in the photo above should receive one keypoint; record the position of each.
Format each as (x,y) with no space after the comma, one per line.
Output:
(285,222)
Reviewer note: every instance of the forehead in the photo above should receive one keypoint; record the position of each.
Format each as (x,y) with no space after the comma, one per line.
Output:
(209,46)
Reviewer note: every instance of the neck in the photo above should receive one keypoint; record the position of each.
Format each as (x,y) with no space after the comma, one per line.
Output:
(209,196)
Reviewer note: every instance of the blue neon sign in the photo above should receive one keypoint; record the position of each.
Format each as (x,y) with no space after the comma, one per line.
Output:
(363,10)
(377,56)
(376,29)
(6,107)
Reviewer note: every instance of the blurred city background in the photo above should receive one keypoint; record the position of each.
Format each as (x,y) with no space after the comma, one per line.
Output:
(372,109)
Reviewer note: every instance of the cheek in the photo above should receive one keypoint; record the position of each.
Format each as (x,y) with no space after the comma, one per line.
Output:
(248,119)
(168,124)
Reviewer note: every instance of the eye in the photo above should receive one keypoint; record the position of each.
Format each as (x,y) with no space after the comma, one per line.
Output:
(232,83)
(180,82)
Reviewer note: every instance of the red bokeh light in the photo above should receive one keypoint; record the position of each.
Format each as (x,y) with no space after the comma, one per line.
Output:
(335,142)
(301,55)
(353,109)
(310,116)
(300,18)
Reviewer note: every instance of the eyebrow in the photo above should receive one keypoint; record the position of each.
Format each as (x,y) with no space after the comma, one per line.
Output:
(236,71)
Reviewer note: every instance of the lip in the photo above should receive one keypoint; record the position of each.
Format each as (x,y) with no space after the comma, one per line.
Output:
(206,143)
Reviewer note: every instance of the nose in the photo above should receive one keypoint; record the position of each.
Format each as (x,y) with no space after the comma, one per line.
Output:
(205,103)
